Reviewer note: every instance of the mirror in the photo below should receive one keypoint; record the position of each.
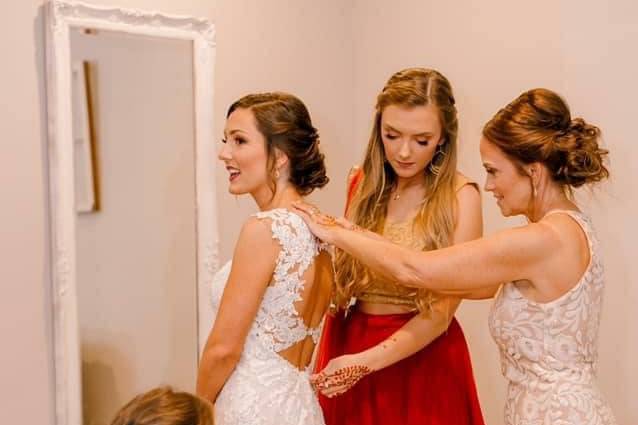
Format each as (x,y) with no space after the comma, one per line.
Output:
(132,203)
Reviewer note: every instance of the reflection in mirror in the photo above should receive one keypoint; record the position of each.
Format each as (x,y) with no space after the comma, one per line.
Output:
(136,275)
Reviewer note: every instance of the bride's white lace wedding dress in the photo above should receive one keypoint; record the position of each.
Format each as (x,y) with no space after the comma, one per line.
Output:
(265,388)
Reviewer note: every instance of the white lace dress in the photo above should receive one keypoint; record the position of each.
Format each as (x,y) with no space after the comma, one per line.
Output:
(549,350)
(264,388)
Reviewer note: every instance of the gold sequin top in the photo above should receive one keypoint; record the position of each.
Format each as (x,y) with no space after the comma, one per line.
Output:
(384,292)
(402,233)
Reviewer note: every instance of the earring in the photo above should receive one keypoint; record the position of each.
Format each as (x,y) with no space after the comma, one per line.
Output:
(440,156)
(534,191)
(277,173)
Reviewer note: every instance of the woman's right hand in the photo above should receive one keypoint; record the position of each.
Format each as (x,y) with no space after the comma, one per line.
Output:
(340,374)
(321,225)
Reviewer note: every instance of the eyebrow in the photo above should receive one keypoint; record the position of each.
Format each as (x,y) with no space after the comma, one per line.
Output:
(389,127)
(235,130)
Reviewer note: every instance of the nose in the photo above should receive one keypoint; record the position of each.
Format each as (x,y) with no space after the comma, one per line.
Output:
(224,153)
(404,150)
(489,185)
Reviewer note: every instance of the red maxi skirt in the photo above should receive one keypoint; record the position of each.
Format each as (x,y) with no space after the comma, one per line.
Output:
(434,386)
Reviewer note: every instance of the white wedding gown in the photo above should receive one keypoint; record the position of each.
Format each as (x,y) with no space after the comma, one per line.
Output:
(265,388)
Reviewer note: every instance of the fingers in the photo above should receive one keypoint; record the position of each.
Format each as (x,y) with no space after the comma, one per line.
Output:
(309,211)
(339,381)
(343,222)
(325,220)
(305,207)
(303,214)
(306,211)
(327,386)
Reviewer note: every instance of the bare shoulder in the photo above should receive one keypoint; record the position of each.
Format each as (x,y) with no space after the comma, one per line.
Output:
(468,213)
(534,240)
(256,233)
(256,227)
(564,227)
(255,255)
(468,196)
(462,182)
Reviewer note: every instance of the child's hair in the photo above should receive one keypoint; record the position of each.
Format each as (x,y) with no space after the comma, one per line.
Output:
(163,406)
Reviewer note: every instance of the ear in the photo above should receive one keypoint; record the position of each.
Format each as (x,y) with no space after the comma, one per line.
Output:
(534,171)
(281,159)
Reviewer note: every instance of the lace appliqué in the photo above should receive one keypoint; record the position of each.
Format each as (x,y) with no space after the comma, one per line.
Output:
(549,350)
(278,324)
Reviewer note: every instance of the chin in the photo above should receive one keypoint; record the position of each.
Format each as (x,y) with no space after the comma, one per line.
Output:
(235,190)
(405,174)
(505,212)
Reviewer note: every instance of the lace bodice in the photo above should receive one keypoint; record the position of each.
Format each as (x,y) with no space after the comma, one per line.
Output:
(265,388)
(278,325)
(549,350)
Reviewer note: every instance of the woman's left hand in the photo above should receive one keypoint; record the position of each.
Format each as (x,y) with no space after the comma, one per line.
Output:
(339,375)
(321,225)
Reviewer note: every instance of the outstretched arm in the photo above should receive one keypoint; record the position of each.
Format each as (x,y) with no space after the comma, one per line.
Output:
(421,330)
(248,280)
(460,270)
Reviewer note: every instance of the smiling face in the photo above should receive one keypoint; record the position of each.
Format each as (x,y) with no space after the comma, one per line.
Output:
(511,188)
(244,154)
(410,136)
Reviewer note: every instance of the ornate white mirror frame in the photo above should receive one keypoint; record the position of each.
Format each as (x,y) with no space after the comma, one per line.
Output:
(61,17)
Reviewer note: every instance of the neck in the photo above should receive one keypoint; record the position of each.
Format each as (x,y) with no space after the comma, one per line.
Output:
(283,197)
(553,198)
(416,181)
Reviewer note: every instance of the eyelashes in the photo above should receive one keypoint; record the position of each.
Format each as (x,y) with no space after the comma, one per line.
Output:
(394,137)
(237,140)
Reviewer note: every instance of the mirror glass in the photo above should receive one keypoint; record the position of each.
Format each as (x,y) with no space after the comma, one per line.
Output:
(134,141)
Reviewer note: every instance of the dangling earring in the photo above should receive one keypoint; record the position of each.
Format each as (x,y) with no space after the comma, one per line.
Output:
(277,173)
(440,156)
(534,191)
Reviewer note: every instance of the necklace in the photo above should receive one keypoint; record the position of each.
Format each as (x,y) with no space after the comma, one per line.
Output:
(396,195)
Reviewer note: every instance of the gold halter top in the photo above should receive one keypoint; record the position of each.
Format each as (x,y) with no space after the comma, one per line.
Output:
(402,233)
(384,292)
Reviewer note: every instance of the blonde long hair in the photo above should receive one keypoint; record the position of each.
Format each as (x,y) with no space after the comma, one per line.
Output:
(435,220)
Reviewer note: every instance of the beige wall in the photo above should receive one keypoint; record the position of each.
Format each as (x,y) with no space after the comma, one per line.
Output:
(316,50)
(303,47)
(25,328)
(491,51)
(599,78)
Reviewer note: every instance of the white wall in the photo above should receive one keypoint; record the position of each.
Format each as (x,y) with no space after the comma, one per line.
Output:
(492,51)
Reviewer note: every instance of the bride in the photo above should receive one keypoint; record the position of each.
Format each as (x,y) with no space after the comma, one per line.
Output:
(270,300)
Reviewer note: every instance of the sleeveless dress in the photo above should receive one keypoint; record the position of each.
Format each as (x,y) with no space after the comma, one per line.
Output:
(265,388)
(434,386)
(549,350)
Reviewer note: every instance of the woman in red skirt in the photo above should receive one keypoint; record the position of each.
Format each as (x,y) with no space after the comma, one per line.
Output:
(404,353)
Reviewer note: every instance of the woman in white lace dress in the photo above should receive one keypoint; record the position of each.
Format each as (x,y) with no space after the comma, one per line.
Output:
(545,320)
(270,300)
